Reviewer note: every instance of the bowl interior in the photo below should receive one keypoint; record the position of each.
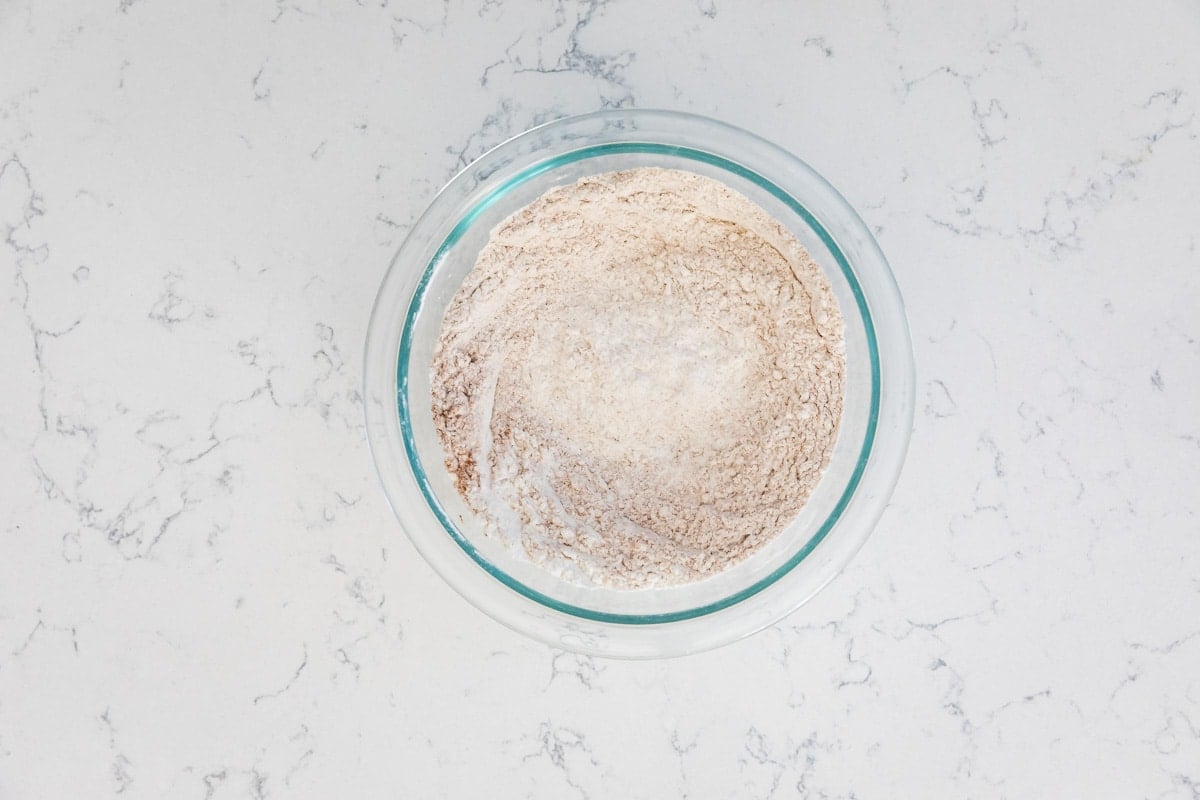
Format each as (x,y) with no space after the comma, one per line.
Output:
(467,232)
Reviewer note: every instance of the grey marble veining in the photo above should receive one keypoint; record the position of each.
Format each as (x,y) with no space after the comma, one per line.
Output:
(203,594)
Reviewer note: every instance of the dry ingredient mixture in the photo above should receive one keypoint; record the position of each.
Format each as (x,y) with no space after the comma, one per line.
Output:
(640,382)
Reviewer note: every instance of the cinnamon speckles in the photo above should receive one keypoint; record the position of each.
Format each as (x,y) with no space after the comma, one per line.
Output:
(640,382)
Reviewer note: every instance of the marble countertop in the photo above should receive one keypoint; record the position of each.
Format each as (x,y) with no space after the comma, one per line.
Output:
(204,595)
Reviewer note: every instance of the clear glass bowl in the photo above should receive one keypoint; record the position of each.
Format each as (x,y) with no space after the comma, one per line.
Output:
(441,248)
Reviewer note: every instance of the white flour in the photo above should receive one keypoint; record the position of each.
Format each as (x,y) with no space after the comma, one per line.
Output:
(641,380)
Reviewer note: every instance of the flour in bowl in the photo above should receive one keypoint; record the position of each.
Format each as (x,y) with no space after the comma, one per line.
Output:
(640,382)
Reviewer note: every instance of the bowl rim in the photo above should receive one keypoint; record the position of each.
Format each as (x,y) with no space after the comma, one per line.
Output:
(672,633)
(403,365)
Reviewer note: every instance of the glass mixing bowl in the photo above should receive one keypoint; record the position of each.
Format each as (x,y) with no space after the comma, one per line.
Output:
(441,248)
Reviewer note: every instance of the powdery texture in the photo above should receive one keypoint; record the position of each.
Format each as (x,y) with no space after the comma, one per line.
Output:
(641,379)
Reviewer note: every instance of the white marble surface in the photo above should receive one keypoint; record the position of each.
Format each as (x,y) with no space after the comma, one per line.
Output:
(204,595)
